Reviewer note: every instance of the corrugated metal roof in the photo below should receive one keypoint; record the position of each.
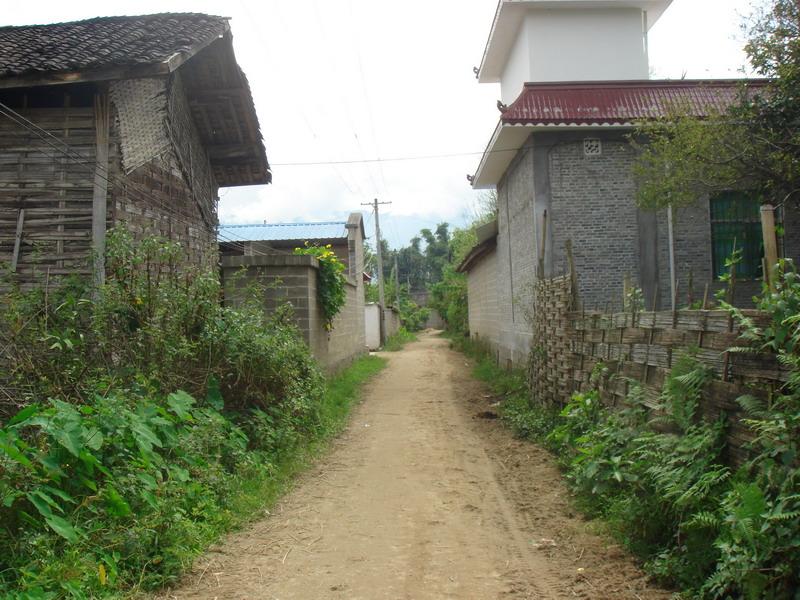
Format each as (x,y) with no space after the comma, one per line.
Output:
(264,232)
(618,103)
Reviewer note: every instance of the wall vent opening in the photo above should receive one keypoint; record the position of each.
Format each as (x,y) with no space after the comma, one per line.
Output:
(592,147)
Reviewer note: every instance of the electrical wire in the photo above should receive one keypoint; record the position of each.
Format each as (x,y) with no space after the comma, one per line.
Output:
(393,159)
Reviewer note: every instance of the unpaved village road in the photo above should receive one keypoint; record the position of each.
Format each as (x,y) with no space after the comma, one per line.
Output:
(421,498)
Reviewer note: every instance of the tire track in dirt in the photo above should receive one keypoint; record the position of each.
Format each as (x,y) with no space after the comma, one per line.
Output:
(419,499)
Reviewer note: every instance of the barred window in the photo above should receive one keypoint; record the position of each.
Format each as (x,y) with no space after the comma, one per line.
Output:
(735,218)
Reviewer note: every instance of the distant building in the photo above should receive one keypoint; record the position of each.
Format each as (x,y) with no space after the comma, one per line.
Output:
(264,254)
(573,77)
(136,120)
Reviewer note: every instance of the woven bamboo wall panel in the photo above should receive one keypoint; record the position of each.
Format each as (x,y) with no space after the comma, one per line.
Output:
(550,366)
(644,346)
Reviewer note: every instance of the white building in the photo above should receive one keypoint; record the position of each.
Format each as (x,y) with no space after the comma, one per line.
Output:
(568,40)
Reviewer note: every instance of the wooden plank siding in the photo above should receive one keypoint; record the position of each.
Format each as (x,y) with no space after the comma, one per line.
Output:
(50,184)
(55,191)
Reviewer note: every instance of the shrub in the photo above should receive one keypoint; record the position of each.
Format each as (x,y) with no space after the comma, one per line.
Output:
(133,417)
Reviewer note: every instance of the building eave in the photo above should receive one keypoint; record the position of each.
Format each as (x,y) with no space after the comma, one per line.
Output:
(506,23)
(509,138)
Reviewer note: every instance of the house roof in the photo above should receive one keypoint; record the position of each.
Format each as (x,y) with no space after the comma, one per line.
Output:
(599,105)
(621,102)
(487,241)
(274,232)
(105,41)
(127,47)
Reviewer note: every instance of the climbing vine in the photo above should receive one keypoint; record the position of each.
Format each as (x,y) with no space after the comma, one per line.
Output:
(330,280)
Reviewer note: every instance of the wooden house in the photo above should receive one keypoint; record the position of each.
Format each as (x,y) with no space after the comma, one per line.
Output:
(136,120)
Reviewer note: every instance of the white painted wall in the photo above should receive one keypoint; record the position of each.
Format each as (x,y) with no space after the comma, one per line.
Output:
(518,67)
(588,44)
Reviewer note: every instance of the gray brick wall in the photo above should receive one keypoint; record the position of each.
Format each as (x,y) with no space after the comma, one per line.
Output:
(483,300)
(593,205)
(516,259)
(591,200)
(293,279)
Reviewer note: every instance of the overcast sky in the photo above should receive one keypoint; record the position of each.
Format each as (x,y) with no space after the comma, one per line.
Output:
(355,80)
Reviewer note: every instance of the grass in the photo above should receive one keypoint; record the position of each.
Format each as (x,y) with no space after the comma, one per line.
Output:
(342,393)
(262,490)
(399,339)
(527,420)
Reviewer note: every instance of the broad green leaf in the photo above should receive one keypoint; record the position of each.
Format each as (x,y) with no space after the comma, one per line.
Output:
(24,414)
(214,395)
(116,504)
(148,480)
(145,437)
(94,438)
(179,474)
(43,503)
(60,493)
(52,465)
(10,448)
(180,403)
(69,437)
(63,528)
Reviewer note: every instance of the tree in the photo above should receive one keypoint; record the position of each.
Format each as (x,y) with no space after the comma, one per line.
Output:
(753,145)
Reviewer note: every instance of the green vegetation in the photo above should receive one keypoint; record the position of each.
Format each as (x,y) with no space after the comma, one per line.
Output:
(330,280)
(146,420)
(660,479)
(432,269)
(752,146)
(399,339)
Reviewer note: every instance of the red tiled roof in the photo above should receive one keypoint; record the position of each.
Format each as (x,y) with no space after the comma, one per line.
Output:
(619,103)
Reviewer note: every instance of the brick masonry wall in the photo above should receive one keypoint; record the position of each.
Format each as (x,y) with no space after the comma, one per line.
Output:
(593,203)
(293,279)
(516,259)
(163,184)
(483,300)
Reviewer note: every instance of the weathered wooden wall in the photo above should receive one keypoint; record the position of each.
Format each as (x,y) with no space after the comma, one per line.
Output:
(159,180)
(48,193)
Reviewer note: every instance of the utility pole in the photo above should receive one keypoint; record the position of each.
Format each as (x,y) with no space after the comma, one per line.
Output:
(374,204)
(396,284)
(381,300)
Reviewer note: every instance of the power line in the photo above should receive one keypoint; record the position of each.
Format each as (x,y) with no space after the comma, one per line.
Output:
(92,167)
(393,159)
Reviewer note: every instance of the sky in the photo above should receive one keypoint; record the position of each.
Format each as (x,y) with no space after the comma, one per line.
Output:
(386,89)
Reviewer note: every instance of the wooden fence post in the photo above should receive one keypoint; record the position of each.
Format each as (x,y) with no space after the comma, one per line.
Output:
(770,243)
(18,240)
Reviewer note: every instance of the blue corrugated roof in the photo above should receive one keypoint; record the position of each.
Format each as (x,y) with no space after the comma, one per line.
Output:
(263,232)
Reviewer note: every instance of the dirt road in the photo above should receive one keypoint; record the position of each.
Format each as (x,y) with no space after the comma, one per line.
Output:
(422,498)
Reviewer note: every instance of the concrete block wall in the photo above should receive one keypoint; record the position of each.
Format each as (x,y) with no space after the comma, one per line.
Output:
(482,292)
(516,259)
(293,279)
(347,338)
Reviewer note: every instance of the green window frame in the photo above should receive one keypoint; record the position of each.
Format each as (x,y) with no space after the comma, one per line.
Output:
(736,217)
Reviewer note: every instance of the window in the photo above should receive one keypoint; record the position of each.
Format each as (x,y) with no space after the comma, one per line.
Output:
(736,218)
